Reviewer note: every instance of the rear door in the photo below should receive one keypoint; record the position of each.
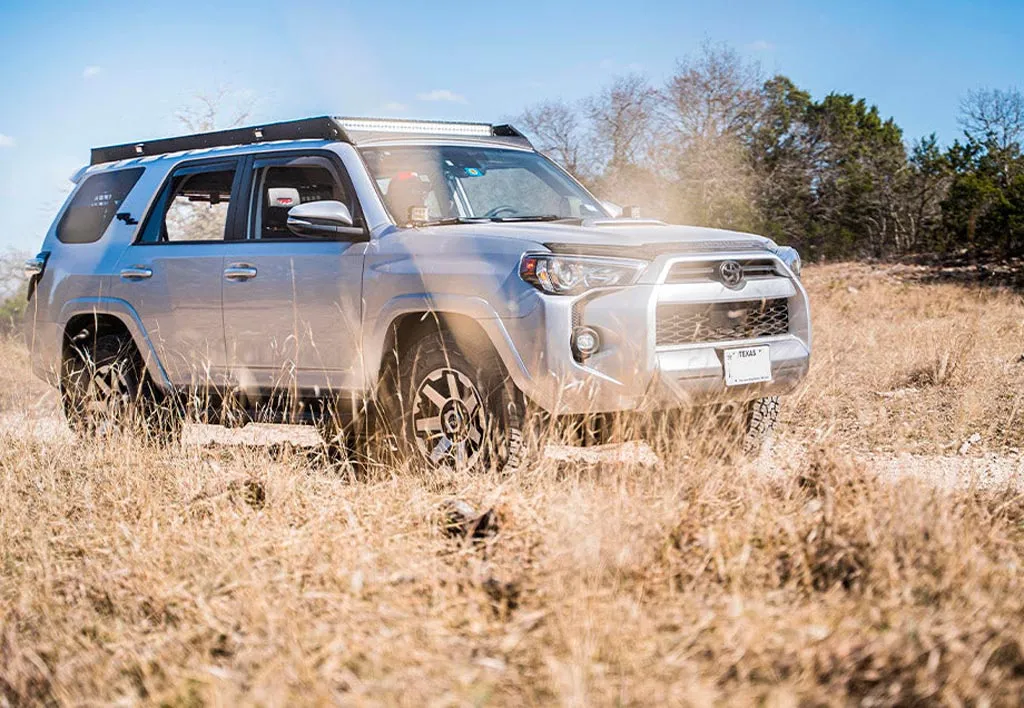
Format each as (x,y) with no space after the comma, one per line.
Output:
(292,305)
(173,272)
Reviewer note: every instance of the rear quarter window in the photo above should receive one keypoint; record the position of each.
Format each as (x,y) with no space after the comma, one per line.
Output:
(95,204)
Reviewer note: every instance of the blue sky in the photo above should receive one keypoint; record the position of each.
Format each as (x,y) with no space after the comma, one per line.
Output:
(80,74)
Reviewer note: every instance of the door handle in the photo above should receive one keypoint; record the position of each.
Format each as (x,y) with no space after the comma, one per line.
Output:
(239,272)
(136,272)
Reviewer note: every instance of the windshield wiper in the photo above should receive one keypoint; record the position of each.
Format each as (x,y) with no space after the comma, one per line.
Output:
(538,217)
(448,220)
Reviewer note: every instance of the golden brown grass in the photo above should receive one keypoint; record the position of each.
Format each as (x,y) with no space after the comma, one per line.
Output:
(225,574)
(903,365)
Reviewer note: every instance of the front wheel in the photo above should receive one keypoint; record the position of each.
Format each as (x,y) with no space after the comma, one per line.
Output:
(456,408)
(760,417)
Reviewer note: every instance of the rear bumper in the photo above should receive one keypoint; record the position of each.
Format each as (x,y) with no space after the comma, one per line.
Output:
(43,339)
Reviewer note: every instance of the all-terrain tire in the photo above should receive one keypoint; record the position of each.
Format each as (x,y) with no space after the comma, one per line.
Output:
(451,405)
(760,417)
(104,388)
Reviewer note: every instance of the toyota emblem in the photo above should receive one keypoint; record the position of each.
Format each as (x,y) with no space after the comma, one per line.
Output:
(731,274)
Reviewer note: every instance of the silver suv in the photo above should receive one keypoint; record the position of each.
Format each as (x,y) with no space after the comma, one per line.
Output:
(438,279)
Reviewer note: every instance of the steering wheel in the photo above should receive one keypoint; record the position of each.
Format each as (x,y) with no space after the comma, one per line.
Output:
(496,211)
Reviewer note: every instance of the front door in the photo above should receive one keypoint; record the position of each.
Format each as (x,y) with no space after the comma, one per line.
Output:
(172,274)
(292,305)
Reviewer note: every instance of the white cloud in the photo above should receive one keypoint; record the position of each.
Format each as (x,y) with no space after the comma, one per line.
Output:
(395,107)
(442,95)
(6,141)
(761,45)
(91,72)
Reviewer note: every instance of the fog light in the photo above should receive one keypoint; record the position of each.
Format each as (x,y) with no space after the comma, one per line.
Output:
(585,341)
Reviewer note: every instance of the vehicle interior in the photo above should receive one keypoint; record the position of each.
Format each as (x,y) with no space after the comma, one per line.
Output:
(477,183)
(285,186)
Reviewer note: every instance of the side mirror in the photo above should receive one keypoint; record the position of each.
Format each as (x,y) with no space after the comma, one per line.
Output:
(326,218)
(612,208)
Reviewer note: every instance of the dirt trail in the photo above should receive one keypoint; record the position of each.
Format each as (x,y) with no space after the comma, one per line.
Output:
(981,470)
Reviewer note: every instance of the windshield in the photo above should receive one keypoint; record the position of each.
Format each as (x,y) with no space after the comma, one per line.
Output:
(456,182)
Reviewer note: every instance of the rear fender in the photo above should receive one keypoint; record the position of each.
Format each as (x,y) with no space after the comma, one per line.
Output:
(129,317)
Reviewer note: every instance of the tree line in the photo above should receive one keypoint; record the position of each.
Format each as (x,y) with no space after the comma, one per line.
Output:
(720,144)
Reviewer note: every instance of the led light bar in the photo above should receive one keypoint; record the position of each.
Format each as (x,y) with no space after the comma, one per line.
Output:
(428,127)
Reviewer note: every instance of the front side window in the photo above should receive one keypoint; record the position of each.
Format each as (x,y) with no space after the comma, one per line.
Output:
(476,183)
(193,205)
(286,184)
(94,205)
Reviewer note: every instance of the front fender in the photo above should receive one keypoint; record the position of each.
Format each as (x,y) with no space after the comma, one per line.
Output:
(440,304)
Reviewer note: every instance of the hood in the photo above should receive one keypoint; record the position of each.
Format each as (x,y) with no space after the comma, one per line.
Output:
(616,237)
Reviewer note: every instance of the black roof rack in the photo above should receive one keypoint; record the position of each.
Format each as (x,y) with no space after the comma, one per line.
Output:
(508,131)
(321,128)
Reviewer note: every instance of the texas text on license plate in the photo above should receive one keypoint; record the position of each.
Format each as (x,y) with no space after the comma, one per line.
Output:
(747,365)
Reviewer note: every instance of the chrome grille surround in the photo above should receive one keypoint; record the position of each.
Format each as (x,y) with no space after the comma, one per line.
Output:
(704,271)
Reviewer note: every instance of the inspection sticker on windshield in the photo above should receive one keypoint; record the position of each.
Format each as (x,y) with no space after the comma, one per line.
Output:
(748,365)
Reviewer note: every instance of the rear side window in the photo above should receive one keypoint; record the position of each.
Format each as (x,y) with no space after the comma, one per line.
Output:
(94,205)
(193,205)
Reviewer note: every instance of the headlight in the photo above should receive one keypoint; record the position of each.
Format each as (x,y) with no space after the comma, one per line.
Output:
(790,257)
(572,275)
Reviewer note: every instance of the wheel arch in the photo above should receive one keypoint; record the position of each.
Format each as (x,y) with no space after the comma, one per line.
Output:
(99,316)
(401,321)
(408,328)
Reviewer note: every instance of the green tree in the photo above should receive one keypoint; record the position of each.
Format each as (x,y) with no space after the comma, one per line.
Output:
(781,156)
(927,186)
(859,172)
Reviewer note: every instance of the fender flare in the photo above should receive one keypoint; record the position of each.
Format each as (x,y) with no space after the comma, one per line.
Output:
(123,311)
(474,308)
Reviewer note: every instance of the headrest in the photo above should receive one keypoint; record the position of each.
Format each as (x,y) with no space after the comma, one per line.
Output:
(283,197)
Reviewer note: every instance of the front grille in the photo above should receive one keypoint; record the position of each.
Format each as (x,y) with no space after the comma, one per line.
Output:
(702,271)
(722,321)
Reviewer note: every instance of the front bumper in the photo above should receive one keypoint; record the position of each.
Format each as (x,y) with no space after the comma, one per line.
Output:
(631,371)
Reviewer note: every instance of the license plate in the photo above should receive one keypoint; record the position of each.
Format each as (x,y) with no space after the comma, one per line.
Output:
(748,365)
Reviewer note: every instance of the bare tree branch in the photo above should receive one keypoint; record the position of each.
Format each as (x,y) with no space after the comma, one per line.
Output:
(714,94)
(558,132)
(219,110)
(622,119)
(994,115)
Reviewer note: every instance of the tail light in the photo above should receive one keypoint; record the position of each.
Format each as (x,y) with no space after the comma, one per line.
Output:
(34,268)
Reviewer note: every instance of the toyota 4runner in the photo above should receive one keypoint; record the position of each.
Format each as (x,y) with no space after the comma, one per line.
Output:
(438,278)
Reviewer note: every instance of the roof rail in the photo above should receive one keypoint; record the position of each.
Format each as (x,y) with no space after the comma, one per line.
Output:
(321,128)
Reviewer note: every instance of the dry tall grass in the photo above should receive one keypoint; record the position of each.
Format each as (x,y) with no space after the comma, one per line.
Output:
(818,576)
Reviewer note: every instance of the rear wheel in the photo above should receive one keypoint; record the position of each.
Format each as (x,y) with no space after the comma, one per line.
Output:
(105,389)
(456,407)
